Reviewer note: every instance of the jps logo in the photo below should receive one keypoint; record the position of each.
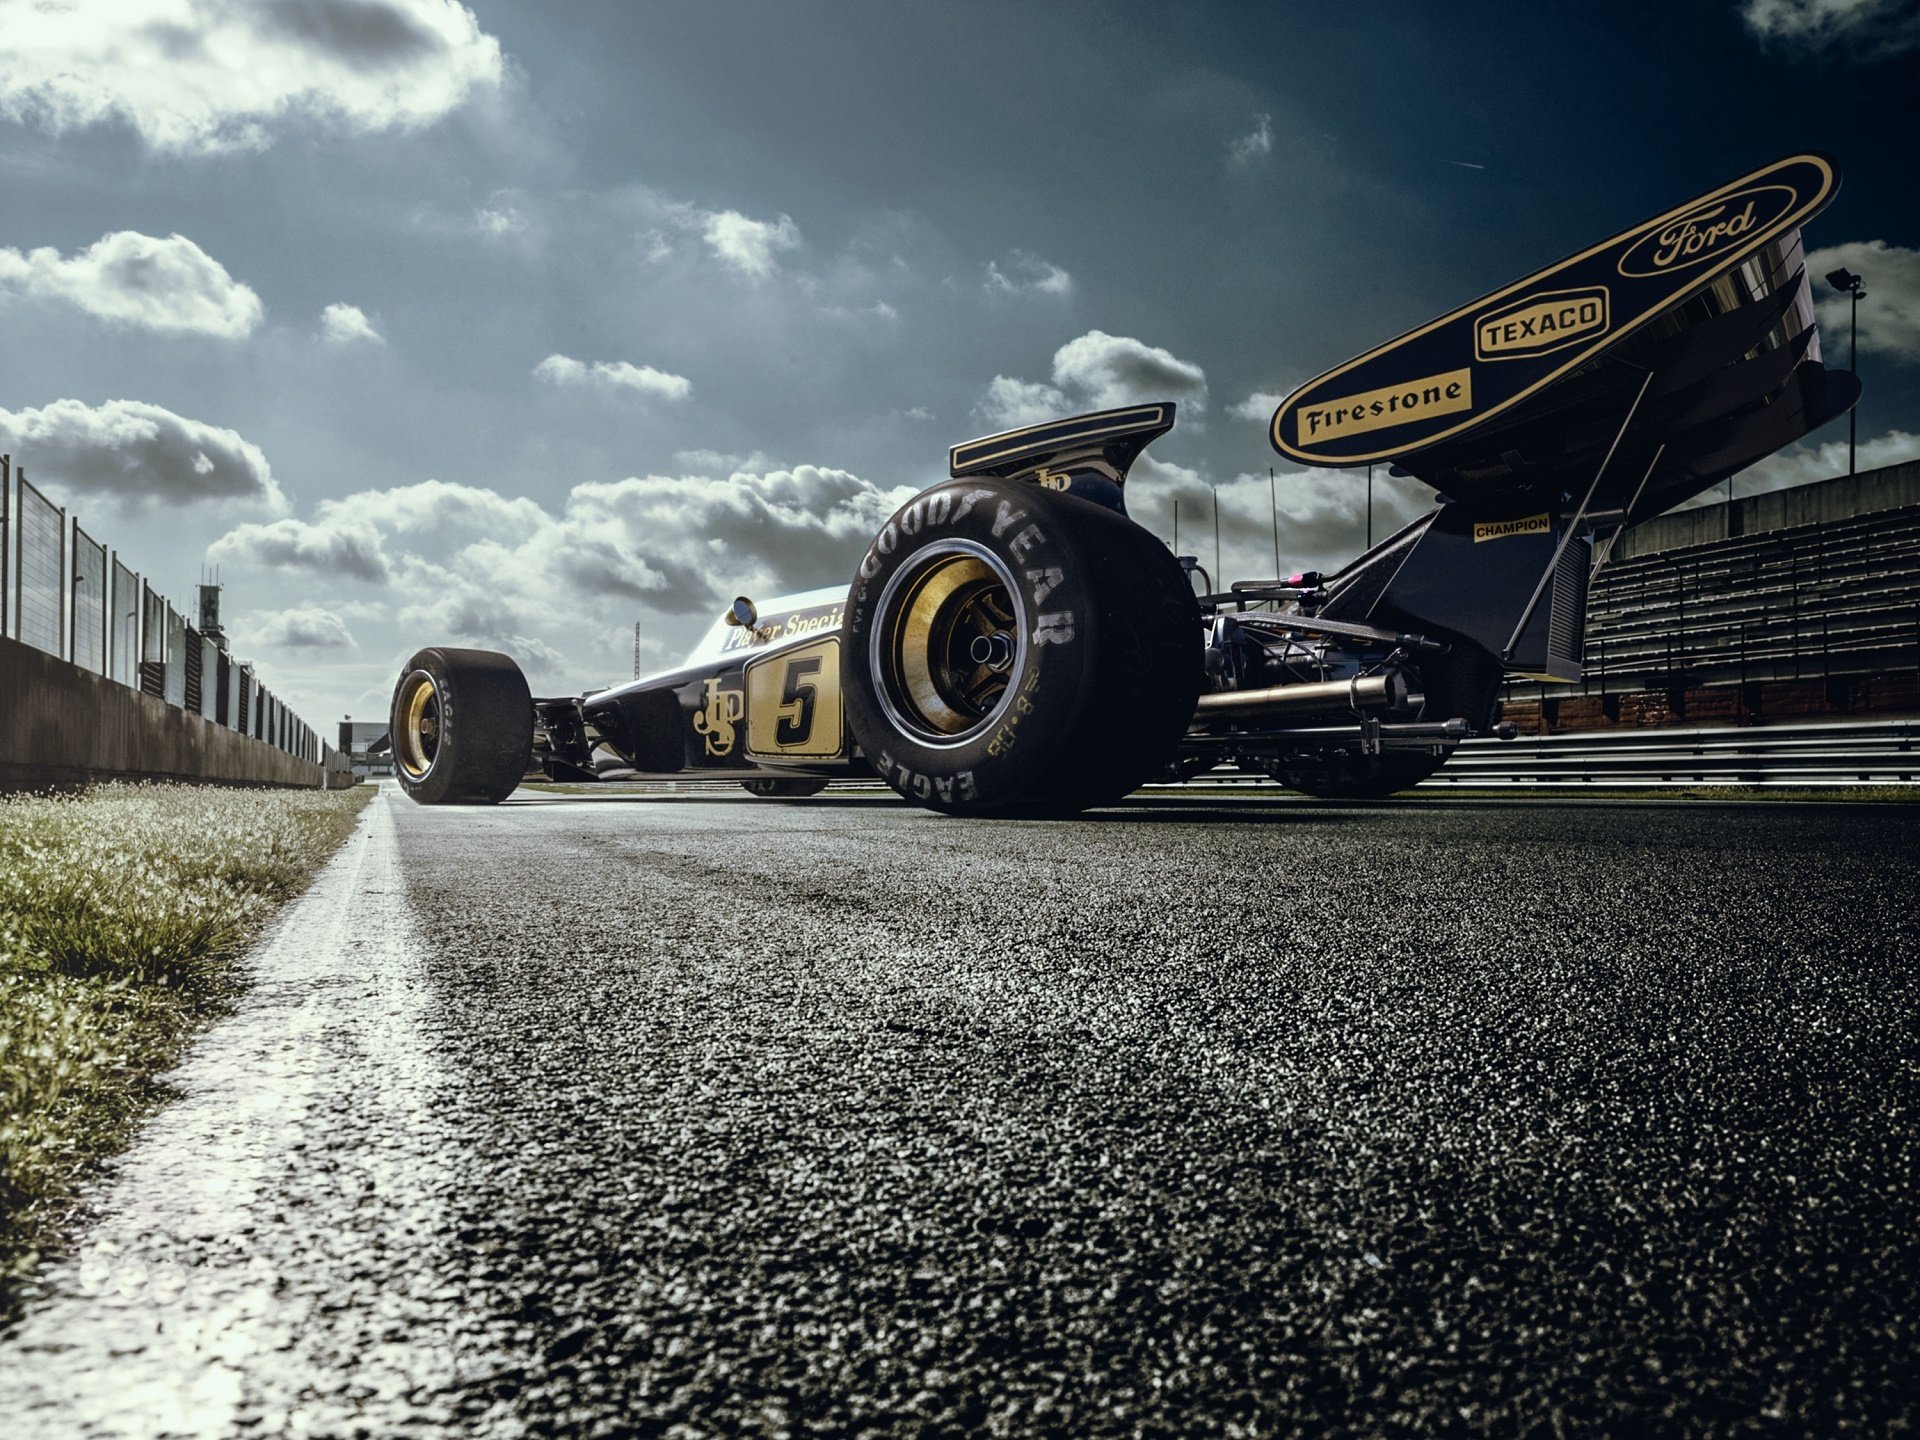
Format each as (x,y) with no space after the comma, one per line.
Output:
(1052,479)
(719,716)
(1709,232)
(1540,324)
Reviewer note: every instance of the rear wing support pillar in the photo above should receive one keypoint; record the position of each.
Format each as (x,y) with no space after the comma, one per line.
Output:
(1626,515)
(1566,534)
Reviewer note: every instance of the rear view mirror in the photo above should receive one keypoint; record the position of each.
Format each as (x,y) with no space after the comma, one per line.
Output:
(742,613)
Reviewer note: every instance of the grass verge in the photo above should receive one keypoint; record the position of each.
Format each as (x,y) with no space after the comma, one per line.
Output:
(121,911)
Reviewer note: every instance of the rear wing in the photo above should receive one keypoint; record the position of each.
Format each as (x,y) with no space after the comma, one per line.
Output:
(1113,438)
(1686,343)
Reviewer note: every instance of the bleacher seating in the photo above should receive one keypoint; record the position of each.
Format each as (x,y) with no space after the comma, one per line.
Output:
(1827,601)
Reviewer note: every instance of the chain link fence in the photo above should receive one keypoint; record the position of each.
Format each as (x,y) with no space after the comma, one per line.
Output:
(153,649)
(39,572)
(173,688)
(123,663)
(88,623)
(63,592)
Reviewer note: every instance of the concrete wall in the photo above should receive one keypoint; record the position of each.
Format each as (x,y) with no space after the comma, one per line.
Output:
(1888,488)
(62,726)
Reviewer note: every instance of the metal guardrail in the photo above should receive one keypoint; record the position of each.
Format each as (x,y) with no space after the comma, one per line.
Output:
(1824,755)
(1843,753)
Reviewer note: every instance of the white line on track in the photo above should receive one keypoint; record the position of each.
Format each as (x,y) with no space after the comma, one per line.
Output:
(271,1255)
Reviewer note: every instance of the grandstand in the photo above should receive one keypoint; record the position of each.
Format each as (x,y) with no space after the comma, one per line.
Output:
(1795,604)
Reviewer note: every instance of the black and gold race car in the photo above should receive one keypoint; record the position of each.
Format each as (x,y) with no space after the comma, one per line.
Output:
(1011,642)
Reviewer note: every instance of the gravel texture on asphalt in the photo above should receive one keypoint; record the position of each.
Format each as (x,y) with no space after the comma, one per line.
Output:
(1206,1116)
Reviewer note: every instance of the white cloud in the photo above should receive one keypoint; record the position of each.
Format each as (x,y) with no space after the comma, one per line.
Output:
(1010,403)
(748,246)
(304,627)
(1804,463)
(348,325)
(1028,274)
(1260,406)
(1097,371)
(1889,316)
(456,608)
(1322,515)
(138,454)
(877,310)
(717,462)
(443,511)
(706,538)
(677,542)
(466,564)
(500,220)
(613,375)
(1873,29)
(1256,144)
(347,538)
(339,545)
(136,279)
(203,76)
(1112,370)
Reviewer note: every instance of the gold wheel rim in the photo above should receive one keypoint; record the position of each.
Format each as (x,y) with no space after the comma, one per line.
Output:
(950,652)
(417,742)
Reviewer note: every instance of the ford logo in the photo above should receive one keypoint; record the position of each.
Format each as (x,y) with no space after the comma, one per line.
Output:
(1709,232)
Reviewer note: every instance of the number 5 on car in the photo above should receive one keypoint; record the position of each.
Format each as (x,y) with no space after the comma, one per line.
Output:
(793,704)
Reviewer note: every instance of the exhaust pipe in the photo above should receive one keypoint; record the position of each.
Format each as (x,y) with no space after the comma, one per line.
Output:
(1357,696)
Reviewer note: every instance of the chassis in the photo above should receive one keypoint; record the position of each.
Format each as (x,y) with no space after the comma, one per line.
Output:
(1011,642)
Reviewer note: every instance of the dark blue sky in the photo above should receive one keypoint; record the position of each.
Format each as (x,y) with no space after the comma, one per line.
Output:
(674,299)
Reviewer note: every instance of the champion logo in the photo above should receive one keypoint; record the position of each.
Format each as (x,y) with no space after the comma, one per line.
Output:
(1508,529)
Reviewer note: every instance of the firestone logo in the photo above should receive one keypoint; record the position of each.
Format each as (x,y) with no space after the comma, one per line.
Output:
(1709,232)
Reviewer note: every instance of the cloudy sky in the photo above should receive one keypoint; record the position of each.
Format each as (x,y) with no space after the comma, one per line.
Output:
(517,323)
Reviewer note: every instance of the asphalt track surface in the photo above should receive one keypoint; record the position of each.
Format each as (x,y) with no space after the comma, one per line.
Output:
(702,1117)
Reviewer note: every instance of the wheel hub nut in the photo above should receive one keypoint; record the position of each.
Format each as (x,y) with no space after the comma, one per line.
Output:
(995,651)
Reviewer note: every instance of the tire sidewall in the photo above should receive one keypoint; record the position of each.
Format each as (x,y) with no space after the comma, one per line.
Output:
(485,737)
(1030,532)
(434,787)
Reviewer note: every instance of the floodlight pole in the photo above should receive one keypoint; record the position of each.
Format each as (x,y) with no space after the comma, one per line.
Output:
(1853,367)
(1273,502)
(1216,532)
(1852,286)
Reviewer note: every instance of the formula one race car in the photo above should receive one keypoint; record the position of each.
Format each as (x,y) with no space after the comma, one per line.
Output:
(1011,642)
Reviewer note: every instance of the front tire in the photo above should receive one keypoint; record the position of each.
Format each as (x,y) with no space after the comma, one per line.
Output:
(462,727)
(1013,649)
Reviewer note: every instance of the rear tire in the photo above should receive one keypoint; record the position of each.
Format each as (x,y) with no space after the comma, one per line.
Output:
(1359,777)
(462,727)
(771,787)
(1016,650)
(1462,683)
